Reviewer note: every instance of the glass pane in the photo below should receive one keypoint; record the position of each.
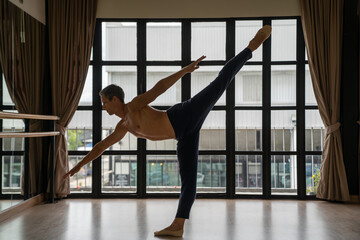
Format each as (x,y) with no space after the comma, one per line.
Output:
(79,132)
(312,168)
(202,77)
(162,173)
(209,39)
(283,40)
(248,174)
(13,125)
(173,94)
(283,85)
(314,131)
(119,41)
(169,144)
(283,130)
(163,41)
(248,86)
(245,31)
(213,132)
(123,76)
(211,175)
(82,180)
(118,173)
(6,96)
(283,175)
(128,142)
(248,130)
(309,91)
(86,96)
(12,168)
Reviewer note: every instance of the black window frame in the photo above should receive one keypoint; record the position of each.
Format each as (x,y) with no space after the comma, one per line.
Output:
(230,109)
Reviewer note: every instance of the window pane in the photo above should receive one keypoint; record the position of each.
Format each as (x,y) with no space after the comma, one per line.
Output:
(162,173)
(283,130)
(128,142)
(6,96)
(245,31)
(309,91)
(13,125)
(213,132)
(79,132)
(82,180)
(211,175)
(283,175)
(248,174)
(119,41)
(123,76)
(208,38)
(283,40)
(312,168)
(86,96)
(118,173)
(248,86)
(248,130)
(12,168)
(169,144)
(202,77)
(163,41)
(314,131)
(173,94)
(283,85)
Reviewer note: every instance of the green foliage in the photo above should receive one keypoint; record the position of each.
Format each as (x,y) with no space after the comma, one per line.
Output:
(73,140)
(316,177)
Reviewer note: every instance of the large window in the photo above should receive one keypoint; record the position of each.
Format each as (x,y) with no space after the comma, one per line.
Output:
(263,137)
(12,149)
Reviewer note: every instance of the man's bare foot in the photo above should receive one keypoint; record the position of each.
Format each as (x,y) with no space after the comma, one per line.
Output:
(176,229)
(260,37)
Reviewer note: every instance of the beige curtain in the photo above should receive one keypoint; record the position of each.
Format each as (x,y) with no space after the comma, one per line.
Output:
(22,55)
(71,31)
(322,25)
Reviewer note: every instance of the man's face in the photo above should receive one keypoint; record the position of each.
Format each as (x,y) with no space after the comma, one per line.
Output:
(108,105)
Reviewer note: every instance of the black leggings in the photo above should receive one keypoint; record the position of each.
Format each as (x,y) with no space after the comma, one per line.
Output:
(187,118)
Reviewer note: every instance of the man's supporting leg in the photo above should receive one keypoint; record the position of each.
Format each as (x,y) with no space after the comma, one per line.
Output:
(187,152)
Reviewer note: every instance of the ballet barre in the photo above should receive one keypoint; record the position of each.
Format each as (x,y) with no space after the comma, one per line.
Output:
(26,134)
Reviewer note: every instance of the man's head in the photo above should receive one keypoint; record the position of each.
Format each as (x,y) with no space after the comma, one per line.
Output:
(112,98)
(113,90)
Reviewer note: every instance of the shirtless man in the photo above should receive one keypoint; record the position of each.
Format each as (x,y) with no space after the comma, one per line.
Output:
(182,122)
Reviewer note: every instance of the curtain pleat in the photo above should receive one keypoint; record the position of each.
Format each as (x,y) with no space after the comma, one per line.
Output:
(322,22)
(71,31)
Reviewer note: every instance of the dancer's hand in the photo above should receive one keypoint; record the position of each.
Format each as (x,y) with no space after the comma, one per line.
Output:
(72,171)
(193,66)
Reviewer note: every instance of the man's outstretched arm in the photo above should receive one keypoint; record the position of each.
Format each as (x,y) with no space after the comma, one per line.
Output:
(161,86)
(99,148)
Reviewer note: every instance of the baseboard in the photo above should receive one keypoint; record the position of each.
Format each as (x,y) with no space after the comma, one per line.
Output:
(354,199)
(21,207)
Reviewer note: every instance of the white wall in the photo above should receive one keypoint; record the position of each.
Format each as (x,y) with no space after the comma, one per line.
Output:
(196,8)
(178,8)
(35,8)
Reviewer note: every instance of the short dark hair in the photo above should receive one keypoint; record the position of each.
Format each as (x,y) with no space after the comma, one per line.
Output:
(113,90)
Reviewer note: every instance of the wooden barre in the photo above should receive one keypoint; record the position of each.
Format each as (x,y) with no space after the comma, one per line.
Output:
(9,115)
(27,134)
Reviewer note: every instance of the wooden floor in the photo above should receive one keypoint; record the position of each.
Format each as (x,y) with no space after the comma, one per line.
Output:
(210,219)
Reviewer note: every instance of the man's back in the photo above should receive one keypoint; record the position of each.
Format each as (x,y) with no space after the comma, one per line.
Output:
(148,123)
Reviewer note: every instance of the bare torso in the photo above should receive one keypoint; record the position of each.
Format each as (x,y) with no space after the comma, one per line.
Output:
(149,123)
